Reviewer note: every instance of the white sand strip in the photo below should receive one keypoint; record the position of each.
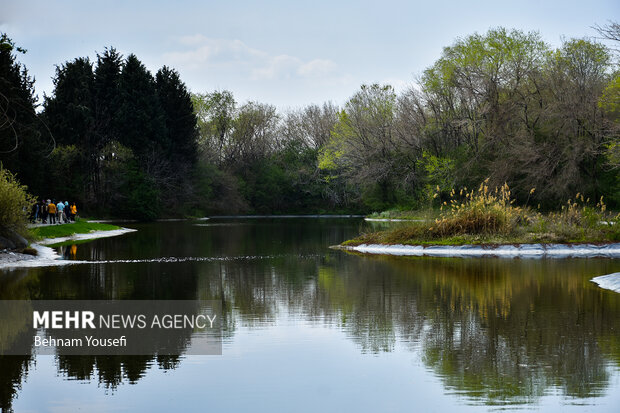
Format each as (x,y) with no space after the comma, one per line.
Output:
(609,281)
(509,251)
(89,235)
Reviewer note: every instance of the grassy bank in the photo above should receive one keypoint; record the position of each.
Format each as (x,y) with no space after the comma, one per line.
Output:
(408,215)
(489,216)
(67,230)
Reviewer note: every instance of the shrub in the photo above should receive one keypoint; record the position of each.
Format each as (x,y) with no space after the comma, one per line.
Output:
(482,212)
(15,203)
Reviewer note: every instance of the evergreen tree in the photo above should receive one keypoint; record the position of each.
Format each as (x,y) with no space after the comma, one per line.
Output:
(181,121)
(140,118)
(21,144)
(70,115)
(70,110)
(106,94)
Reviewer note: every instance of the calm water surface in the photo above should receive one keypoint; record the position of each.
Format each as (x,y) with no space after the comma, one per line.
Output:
(312,329)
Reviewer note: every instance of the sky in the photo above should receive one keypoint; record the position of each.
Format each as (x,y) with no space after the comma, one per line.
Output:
(286,53)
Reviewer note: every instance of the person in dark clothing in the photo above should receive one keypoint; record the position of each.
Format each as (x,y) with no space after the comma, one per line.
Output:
(34,213)
(43,211)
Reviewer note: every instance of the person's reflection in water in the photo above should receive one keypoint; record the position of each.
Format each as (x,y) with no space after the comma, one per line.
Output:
(68,253)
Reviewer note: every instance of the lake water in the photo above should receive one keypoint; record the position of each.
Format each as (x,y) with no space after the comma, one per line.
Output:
(312,329)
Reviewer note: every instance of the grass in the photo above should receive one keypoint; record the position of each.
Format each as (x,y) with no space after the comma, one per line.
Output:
(67,230)
(489,217)
(398,214)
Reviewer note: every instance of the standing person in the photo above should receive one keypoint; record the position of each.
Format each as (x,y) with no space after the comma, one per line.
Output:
(73,211)
(60,206)
(34,212)
(43,210)
(51,212)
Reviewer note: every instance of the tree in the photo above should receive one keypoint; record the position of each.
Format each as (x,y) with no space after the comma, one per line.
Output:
(477,90)
(610,31)
(70,111)
(106,95)
(180,120)
(567,153)
(22,146)
(503,105)
(311,126)
(216,113)
(182,133)
(70,114)
(364,146)
(140,118)
(253,137)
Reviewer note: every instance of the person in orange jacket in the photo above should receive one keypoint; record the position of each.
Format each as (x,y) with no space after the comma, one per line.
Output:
(51,211)
(73,211)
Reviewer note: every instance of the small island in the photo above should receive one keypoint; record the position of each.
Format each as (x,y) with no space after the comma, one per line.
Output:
(489,218)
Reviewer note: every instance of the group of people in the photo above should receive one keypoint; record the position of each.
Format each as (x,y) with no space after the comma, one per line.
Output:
(51,212)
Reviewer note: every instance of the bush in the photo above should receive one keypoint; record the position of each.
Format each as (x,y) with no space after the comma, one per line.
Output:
(482,212)
(15,203)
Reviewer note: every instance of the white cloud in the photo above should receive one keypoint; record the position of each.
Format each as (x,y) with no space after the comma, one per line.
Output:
(202,52)
(317,67)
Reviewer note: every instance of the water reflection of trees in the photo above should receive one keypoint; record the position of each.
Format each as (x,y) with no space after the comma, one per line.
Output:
(95,282)
(500,331)
(504,331)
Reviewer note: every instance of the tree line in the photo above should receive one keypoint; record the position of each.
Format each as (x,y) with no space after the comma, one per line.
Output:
(503,105)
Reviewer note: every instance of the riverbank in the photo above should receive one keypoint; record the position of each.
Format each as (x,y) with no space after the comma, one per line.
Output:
(56,235)
(79,231)
(611,250)
(81,237)
(67,230)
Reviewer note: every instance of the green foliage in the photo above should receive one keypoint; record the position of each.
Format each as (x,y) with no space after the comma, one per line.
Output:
(610,98)
(216,116)
(439,174)
(15,203)
(66,174)
(140,197)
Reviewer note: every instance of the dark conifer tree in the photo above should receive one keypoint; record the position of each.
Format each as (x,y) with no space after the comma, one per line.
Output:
(70,110)
(70,114)
(21,144)
(106,94)
(182,134)
(181,121)
(140,118)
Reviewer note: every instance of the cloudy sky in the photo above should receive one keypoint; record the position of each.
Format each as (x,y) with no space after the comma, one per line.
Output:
(288,53)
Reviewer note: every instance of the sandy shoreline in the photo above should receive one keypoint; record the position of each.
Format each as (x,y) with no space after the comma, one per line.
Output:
(508,251)
(89,235)
(48,256)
